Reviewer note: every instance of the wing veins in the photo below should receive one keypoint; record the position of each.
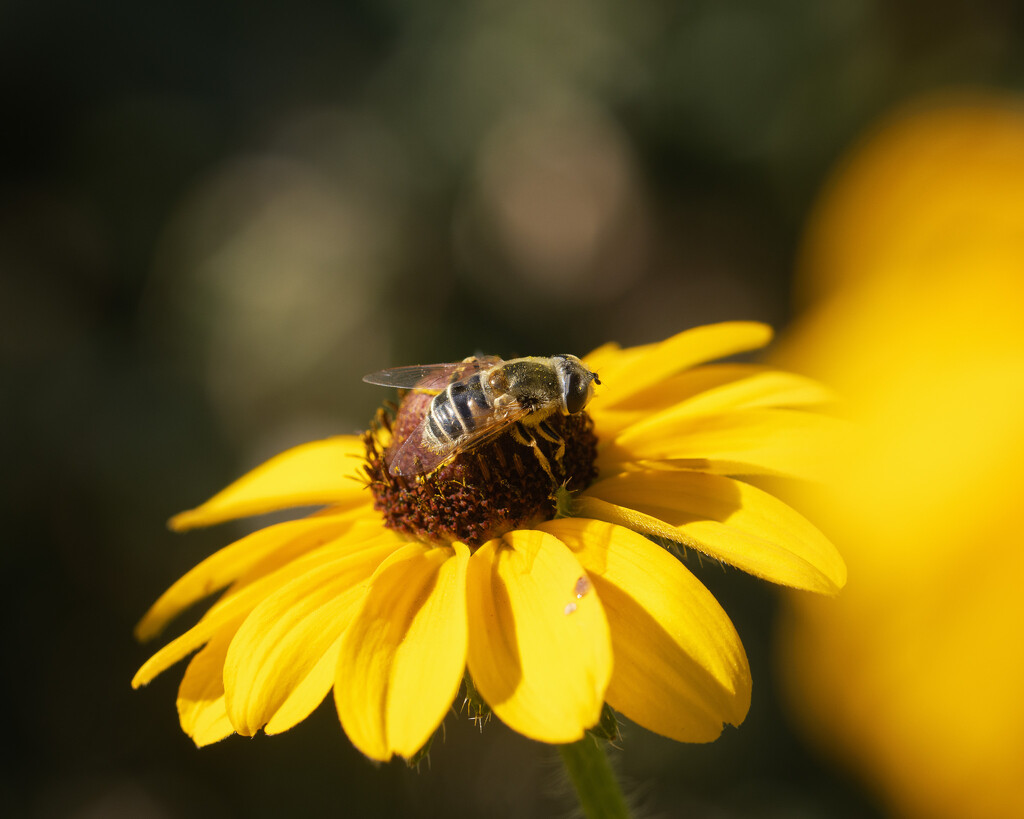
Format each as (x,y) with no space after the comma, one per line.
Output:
(430,376)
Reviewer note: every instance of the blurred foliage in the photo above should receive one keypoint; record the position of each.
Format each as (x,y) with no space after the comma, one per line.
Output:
(215,217)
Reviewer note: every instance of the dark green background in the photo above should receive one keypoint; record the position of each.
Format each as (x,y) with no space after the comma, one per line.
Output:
(214,217)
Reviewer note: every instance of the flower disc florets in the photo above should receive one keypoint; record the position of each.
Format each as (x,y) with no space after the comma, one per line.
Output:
(481,493)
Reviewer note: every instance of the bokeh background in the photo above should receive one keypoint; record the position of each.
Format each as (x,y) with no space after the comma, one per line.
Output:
(215,217)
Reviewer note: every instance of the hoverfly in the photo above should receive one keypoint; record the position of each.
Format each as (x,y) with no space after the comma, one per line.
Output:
(478,399)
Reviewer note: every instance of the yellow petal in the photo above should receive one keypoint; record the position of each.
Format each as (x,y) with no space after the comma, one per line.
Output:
(402,658)
(313,474)
(201,708)
(724,518)
(237,603)
(362,530)
(539,653)
(680,668)
(287,635)
(308,694)
(715,388)
(624,373)
(747,442)
(285,540)
(748,386)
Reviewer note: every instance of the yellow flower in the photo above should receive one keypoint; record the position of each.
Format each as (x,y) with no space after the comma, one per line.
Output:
(916,258)
(550,619)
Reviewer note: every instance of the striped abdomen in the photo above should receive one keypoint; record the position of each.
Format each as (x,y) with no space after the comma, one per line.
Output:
(455,412)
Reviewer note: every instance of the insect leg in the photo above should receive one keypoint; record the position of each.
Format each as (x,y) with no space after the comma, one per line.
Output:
(524,437)
(548,434)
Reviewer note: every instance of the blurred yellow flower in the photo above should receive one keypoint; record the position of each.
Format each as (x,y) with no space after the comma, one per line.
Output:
(551,619)
(914,267)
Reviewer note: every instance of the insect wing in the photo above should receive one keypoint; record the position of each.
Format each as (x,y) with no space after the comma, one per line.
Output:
(413,457)
(421,376)
(430,377)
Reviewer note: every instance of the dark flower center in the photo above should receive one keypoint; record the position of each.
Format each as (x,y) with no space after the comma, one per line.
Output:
(483,492)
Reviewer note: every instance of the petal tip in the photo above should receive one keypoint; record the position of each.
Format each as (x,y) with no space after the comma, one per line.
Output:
(146,629)
(183,521)
(140,680)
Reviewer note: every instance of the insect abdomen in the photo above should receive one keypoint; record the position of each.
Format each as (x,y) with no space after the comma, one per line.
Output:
(454,412)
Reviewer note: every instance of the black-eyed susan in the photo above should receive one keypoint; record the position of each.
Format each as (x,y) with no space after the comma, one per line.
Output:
(553,601)
(913,273)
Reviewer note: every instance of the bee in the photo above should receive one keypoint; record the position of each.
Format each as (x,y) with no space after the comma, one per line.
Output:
(478,399)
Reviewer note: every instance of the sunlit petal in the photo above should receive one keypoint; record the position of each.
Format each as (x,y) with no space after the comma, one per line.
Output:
(680,669)
(313,474)
(626,372)
(201,710)
(539,653)
(403,656)
(724,518)
(307,694)
(288,633)
(711,389)
(284,540)
(747,442)
(235,604)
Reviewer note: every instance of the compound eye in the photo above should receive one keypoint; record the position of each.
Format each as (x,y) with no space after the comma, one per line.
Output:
(578,391)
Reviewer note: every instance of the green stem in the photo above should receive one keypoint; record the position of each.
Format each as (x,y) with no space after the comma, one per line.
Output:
(599,793)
